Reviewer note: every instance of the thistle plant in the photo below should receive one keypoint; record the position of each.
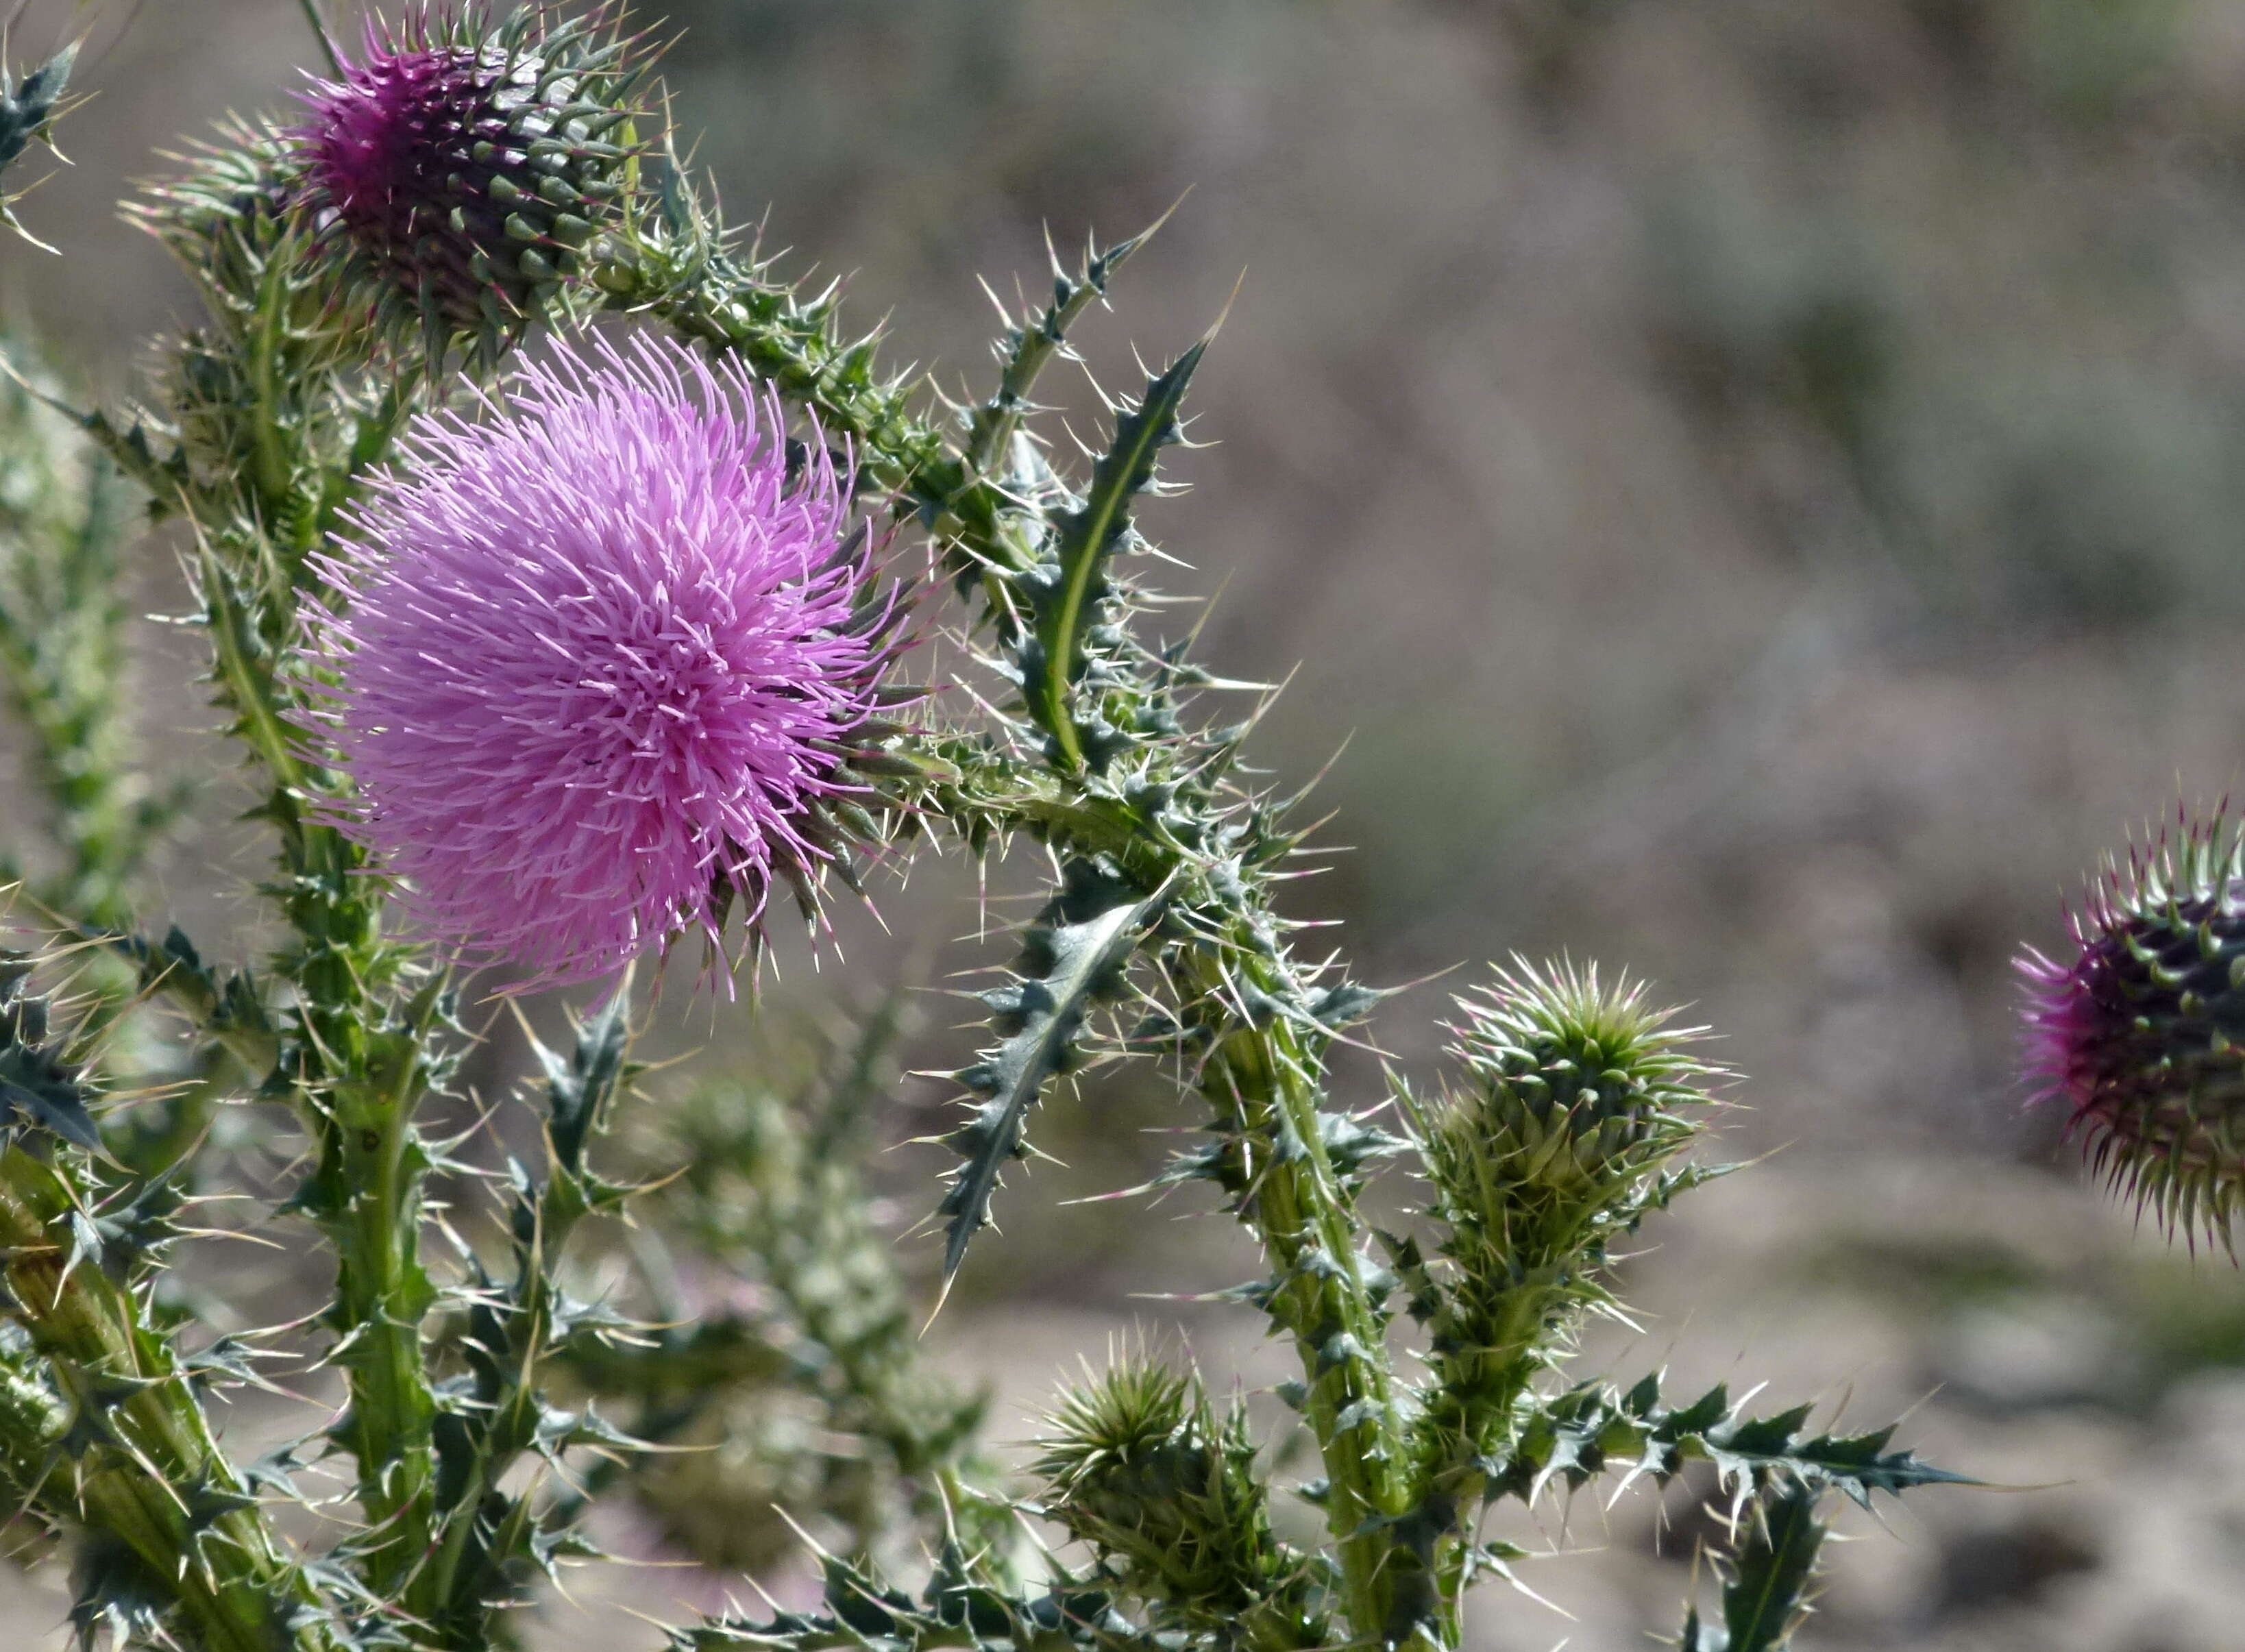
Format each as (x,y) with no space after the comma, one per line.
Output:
(556,556)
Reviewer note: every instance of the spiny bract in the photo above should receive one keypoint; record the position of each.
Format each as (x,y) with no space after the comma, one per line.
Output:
(606,655)
(2138,1027)
(469,166)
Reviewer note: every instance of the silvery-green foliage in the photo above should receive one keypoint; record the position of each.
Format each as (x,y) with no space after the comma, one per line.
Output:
(489,1397)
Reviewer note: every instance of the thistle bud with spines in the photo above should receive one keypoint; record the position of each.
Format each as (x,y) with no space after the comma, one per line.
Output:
(468,166)
(1138,1462)
(2139,1027)
(1571,1101)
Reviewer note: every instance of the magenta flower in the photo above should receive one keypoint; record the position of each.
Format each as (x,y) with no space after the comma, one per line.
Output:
(2140,1028)
(468,167)
(605,660)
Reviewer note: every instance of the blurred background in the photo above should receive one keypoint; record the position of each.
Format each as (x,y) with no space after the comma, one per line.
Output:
(1750,490)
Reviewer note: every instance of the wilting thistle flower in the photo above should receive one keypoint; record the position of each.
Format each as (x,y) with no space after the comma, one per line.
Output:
(468,168)
(606,659)
(2140,1028)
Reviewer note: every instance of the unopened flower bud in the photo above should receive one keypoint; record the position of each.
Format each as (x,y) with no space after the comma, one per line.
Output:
(2139,1028)
(467,167)
(1571,1089)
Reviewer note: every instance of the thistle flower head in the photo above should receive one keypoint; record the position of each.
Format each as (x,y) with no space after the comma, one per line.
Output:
(467,167)
(606,656)
(2139,1027)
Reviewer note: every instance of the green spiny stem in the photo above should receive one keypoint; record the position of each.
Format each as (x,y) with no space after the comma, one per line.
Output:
(366,1193)
(1265,1081)
(1469,1418)
(158,1479)
(271,477)
(456,1592)
(1264,1078)
(357,1069)
(358,1084)
(1484,1372)
(792,342)
(1522,1321)
(1034,343)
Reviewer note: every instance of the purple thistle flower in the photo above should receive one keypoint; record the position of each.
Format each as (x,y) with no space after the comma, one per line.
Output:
(468,167)
(606,657)
(2140,1029)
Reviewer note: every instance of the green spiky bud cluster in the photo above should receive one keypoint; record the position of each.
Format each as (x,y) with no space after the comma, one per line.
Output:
(468,166)
(1137,1462)
(227,214)
(2140,1028)
(1573,1092)
(1572,1099)
(282,343)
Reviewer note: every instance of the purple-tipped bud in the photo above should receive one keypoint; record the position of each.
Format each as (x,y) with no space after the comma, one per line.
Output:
(609,653)
(468,167)
(2140,1028)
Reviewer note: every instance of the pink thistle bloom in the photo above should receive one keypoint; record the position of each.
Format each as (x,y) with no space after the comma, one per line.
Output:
(604,660)
(2140,1028)
(468,166)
